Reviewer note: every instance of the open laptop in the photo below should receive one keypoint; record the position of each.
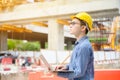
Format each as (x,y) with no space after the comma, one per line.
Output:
(53,68)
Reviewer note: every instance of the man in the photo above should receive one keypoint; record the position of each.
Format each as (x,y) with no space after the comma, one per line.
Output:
(82,60)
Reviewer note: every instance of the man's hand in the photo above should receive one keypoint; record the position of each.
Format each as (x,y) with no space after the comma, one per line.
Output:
(61,67)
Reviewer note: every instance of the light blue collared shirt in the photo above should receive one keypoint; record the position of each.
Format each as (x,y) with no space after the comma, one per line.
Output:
(81,62)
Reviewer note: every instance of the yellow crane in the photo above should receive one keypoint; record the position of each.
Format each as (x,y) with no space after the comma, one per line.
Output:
(112,34)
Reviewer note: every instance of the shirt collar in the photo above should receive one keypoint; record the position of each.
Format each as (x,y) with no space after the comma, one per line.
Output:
(81,40)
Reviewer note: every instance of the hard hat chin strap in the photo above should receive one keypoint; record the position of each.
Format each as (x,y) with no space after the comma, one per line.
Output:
(87,27)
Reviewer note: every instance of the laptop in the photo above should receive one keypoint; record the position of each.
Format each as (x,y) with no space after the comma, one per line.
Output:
(53,68)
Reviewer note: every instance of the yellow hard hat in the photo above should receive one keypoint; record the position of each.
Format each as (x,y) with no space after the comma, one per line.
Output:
(85,17)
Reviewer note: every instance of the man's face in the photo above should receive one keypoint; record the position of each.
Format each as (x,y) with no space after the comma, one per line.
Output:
(75,27)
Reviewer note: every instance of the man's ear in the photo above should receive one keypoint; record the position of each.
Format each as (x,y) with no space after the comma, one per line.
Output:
(83,27)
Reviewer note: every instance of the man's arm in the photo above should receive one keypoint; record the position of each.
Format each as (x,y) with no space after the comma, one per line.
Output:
(81,62)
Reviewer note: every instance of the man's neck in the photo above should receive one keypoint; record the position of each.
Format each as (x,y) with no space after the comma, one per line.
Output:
(80,36)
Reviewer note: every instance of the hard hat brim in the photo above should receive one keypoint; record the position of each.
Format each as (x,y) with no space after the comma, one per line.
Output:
(72,17)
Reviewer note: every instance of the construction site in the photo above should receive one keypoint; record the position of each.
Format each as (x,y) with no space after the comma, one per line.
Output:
(47,22)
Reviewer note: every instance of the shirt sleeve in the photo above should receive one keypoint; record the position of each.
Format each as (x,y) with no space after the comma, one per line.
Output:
(67,66)
(80,61)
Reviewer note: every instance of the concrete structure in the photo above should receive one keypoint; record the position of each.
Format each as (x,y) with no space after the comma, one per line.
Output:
(50,12)
(3,40)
